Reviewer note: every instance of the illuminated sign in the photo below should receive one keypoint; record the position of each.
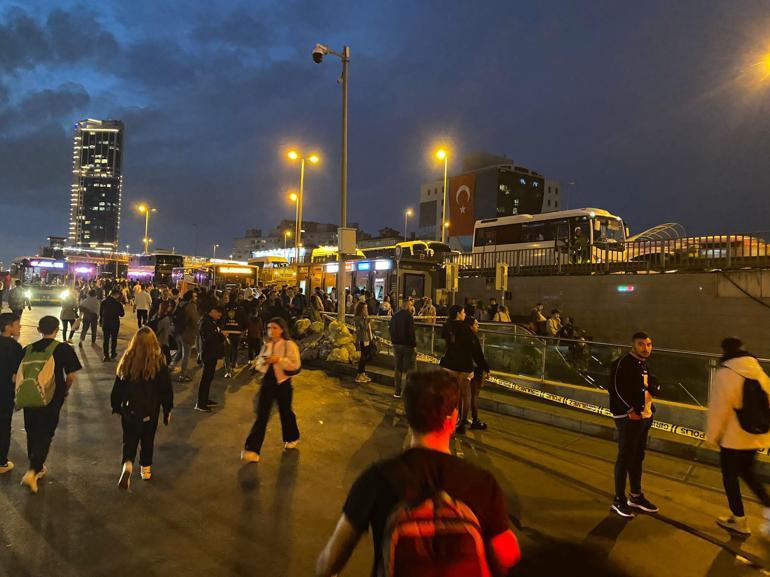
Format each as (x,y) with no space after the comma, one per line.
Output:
(46,264)
(234,270)
(364,266)
(383,265)
(332,267)
(625,288)
(84,269)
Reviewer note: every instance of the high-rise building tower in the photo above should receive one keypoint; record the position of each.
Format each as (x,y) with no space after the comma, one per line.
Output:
(97,184)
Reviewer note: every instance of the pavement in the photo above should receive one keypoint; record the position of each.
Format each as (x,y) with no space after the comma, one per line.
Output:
(205,513)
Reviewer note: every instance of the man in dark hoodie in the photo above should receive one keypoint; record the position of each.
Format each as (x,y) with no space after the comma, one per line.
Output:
(459,358)
(631,390)
(109,318)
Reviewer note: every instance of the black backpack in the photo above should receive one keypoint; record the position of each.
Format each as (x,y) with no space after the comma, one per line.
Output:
(754,415)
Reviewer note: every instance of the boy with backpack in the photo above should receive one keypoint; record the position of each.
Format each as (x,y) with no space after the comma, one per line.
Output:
(45,376)
(10,357)
(739,423)
(430,512)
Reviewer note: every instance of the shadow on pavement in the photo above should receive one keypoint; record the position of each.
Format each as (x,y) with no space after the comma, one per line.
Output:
(603,537)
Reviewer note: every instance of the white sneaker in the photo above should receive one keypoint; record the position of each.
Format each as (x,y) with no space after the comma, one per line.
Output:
(291,444)
(250,456)
(367,378)
(125,476)
(146,473)
(361,378)
(228,374)
(30,480)
(735,524)
(42,473)
(7,467)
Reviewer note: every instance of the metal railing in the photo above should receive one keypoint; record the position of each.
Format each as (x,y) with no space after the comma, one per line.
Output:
(511,350)
(679,254)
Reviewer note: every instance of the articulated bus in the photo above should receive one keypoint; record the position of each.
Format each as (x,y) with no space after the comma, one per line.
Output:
(153,268)
(579,236)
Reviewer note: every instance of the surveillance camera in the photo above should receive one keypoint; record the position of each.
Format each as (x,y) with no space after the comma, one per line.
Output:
(318,53)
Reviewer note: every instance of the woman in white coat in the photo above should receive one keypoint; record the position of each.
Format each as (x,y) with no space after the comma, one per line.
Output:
(738,448)
(278,361)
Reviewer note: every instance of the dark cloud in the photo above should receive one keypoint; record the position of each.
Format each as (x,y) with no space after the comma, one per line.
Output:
(237,30)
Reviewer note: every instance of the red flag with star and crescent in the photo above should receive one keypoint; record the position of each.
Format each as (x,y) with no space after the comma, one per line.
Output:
(462,195)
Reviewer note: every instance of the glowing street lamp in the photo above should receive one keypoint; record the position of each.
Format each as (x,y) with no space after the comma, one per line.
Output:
(407,214)
(442,154)
(216,246)
(143,208)
(286,234)
(313,159)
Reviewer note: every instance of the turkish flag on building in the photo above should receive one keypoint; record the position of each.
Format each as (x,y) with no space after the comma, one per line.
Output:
(462,194)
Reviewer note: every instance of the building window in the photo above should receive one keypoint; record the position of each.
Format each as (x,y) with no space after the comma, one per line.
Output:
(555,203)
(549,202)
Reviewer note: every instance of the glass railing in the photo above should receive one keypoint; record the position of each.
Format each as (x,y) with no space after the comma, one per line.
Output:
(512,351)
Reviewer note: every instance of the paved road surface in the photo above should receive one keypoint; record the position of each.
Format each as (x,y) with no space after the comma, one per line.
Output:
(206,514)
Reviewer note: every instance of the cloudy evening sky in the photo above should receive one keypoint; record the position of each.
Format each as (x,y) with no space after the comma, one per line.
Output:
(656,110)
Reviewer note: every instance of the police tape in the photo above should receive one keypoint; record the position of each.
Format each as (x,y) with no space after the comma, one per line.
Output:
(574,403)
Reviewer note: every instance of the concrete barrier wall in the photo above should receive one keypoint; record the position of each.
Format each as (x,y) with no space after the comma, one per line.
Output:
(691,311)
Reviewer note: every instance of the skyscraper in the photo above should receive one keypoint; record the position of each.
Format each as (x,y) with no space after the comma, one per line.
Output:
(97,184)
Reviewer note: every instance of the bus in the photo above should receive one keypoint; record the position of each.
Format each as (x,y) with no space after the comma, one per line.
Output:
(578,236)
(222,275)
(153,268)
(274,270)
(416,249)
(324,254)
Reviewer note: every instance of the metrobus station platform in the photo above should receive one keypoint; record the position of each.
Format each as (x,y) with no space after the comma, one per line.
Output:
(205,513)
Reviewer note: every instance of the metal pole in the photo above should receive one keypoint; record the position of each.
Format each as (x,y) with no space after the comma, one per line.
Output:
(406,217)
(146,229)
(298,236)
(343,187)
(443,206)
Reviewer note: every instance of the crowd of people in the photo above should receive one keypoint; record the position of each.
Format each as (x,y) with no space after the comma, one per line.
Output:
(426,484)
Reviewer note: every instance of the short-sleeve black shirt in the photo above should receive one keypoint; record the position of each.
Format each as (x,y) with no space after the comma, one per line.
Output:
(418,473)
(65,362)
(10,357)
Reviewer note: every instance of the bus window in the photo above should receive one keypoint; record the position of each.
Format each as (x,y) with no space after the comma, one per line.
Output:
(486,236)
(608,230)
(536,232)
(508,234)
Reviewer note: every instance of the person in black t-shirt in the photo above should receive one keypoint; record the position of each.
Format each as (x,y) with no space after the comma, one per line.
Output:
(430,400)
(10,357)
(41,423)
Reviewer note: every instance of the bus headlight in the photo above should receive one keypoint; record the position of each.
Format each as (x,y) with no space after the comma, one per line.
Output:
(64,294)
(27,294)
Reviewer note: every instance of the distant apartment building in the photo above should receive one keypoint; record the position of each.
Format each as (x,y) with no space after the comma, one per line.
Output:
(97,184)
(488,186)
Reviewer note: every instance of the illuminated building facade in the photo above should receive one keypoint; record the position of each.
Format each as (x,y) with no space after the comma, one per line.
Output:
(97,184)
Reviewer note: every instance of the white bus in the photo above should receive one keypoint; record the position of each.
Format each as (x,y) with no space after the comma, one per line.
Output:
(579,236)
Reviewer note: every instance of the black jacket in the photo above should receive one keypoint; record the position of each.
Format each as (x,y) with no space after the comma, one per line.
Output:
(212,339)
(143,398)
(478,353)
(110,312)
(402,329)
(460,350)
(627,385)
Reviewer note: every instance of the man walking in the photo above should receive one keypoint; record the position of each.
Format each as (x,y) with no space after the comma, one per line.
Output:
(404,344)
(89,308)
(109,318)
(212,349)
(10,357)
(17,301)
(631,390)
(41,422)
(143,304)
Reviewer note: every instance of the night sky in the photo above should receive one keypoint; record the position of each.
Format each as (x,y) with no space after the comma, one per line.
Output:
(656,111)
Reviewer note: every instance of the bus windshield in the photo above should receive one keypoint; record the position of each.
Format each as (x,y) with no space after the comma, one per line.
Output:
(609,231)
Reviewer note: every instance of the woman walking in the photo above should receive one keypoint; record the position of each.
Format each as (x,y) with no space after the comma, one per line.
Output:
(737,447)
(69,314)
(364,337)
(142,386)
(278,360)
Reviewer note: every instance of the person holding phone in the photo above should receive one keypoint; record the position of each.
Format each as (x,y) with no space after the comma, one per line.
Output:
(278,361)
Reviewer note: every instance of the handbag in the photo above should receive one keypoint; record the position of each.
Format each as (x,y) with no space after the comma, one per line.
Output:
(76,325)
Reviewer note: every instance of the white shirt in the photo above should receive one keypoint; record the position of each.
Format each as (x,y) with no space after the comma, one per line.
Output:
(143,301)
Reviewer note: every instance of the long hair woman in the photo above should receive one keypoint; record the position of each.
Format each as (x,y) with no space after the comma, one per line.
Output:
(364,337)
(142,386)
(277,361)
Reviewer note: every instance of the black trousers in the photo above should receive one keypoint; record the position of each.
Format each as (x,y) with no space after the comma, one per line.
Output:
(738,464)
(632,442)
(141,317)
(66,323)
(269,394)
(136,433)
(89,322)
(207,375)
(364,356)
(255,345)
(110,344)
(6,415)
(40,424)
(235,343)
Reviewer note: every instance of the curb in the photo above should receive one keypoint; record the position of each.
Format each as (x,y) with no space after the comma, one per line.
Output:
(564,418)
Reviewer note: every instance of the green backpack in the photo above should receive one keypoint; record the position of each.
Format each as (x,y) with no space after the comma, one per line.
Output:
(36,380)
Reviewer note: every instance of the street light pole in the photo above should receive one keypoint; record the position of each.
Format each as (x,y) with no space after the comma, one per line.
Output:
(407,214)
(298,223)
(443,206)
(146,230)
(216,246)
